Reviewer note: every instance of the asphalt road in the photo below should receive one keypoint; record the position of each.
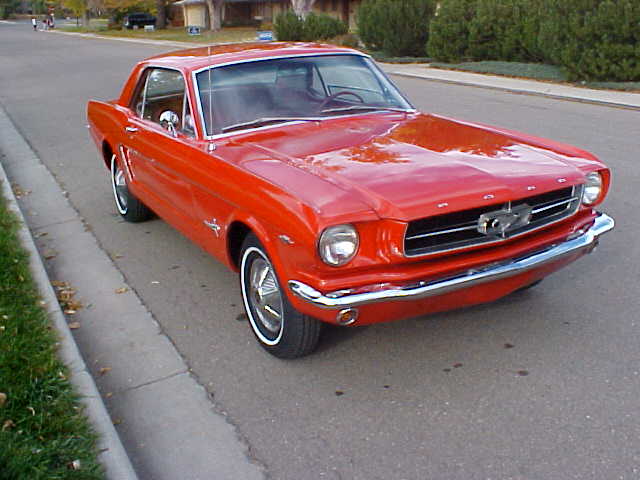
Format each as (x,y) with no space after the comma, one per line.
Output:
(543,384)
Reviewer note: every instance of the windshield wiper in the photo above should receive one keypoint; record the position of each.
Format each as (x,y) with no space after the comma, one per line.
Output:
(365,108)
(260,122)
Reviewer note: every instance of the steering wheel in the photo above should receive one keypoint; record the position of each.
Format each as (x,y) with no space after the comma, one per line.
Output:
(336,95)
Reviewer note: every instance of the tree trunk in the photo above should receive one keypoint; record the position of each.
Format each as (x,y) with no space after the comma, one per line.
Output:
(302,8)
(161,16)
(85,18)
(215,8)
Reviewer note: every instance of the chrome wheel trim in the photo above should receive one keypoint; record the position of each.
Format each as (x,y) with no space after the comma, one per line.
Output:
(262,296)
(119,186)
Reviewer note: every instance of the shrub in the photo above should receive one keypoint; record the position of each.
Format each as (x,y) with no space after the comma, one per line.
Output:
(289,27)
(322,27)
(604,43)
(491,31)
(398,27)
(449,30)
(371,23)
(408,27)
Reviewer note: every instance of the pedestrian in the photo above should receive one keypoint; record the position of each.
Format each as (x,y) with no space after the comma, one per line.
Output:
(34,22)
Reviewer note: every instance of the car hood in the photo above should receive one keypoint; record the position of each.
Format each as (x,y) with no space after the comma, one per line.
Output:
(408,167)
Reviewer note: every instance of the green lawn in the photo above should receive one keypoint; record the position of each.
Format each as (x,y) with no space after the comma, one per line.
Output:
(43,432)
(226,35)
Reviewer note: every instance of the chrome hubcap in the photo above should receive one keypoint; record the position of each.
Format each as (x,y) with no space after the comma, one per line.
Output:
(120,188)
(264,295)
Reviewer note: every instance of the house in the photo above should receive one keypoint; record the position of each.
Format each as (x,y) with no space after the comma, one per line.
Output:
(256,12)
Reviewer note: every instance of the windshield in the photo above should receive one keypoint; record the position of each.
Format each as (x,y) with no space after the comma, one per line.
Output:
(266,92)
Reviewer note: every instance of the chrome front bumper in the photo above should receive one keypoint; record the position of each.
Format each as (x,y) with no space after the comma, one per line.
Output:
(584,241)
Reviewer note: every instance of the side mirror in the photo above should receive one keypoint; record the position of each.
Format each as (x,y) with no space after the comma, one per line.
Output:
(170,121)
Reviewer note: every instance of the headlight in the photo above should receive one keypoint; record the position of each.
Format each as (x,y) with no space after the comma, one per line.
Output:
(338,244)
(592,188)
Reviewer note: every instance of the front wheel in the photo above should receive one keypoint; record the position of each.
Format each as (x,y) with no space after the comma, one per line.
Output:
(129,207)
(281,329)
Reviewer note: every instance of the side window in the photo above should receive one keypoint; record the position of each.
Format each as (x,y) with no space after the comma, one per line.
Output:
(160,91)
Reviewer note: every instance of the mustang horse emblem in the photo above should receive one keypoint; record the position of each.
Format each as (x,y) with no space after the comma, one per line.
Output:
(501,222)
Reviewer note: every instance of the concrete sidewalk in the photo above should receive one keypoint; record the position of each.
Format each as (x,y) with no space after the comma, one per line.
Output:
(169,426)
(517,85)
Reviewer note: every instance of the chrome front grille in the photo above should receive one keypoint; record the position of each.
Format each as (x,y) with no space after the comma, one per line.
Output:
(453,231)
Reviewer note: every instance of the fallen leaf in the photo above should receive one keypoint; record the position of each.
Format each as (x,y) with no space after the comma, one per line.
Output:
(104,370)
(74,325)
(108,394)
(122,290)
(155,282)
(3,399)
(117,255)
(7,425)
(32,410)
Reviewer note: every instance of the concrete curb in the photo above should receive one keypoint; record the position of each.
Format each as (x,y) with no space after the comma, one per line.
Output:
(113,455)
(167,43)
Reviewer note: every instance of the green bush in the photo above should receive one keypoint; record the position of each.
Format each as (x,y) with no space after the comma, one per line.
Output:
(590,39)
(322,27)
(604,43)
(397,27)
(371,23)
(289,27)
(449,30)
(492,32)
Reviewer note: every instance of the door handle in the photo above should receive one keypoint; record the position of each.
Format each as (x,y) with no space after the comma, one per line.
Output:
(131,129)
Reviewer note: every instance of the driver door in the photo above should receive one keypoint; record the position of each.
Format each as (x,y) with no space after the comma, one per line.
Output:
(157,156)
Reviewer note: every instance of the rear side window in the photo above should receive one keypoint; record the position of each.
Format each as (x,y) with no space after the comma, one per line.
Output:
(161,90)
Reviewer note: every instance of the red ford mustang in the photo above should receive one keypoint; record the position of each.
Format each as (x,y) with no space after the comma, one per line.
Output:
(304,168)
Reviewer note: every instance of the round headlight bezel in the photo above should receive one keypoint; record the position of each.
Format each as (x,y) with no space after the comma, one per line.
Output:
(338,245)
(593,187)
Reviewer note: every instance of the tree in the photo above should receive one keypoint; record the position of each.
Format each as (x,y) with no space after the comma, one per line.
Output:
(302,8)
(215,13)
(79,9)
(161,15)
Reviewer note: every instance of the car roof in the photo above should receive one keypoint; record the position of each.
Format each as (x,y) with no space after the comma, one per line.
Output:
(202,57)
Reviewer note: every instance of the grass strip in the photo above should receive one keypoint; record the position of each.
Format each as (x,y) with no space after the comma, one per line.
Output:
(43,432)
(226,35)
(534,71)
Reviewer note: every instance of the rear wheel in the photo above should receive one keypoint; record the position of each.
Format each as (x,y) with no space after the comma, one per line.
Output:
(129,207)
(281,329)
